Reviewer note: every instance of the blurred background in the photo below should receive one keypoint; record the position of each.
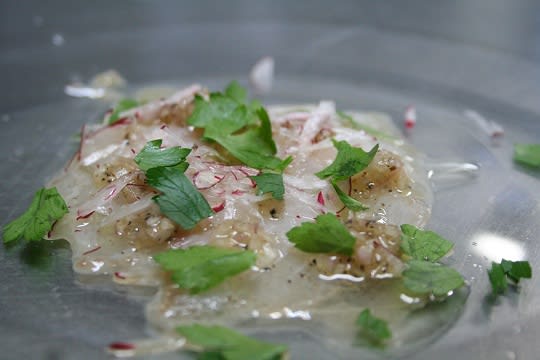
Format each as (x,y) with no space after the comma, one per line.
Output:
(477,45)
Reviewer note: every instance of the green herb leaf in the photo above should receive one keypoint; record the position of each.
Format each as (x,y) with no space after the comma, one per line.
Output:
(221,113)
(497,278)
(123,105)
(180,201)
(152,155)
(326,235)
(423,277)
(236,92)
(368,129)
(376,329)
(47,206)
(199,268)
(349,161)
(517,270)
(270,183)
(219,342)
(423,245)
(527,154)
(349,202)
(242,129)
(254,146)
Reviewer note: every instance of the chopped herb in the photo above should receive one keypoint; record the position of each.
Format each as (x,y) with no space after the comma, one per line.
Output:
(374,328)
(349,202)
(218,342)
(497,278)
(514,270)
(199,268)
(517,270)
(241,128)
(349,161)
(47,207)
(326,235)
(123,105)
(368,129)
(527,154)
(425,278)
(270,183)
(180,201)
(152,155)
(422,244)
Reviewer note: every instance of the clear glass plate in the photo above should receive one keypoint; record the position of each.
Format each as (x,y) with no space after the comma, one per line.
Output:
(48,313)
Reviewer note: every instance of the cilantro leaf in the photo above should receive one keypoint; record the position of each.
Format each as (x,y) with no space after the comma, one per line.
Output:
(152,155)
(376,329)
(220,112)
(270,183)
(236,92)
(180,200)
(349,202)
(253,147)
(422,244)
(368,129)
(199,268)
(515,270)
(527,154)
(349,161)
(219,342)
(47,206)
(497,278)
(326,235)
(123,105)
(424,277)
(242,129)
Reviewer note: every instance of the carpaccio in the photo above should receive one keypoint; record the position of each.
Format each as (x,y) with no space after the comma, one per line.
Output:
(114,227)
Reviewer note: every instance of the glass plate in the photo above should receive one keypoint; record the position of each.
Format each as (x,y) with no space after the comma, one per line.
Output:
(47,313)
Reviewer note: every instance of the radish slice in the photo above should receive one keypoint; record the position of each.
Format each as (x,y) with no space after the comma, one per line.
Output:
(98,202)
(410,117)
(262,75)
(491,128)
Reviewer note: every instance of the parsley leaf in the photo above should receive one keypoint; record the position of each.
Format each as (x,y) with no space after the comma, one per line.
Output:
(368,129)
(180,200)
(199,268)
(376,329)
(152,155)
(527,154)
(423,277)
(219,342)
(422,244)
(497,278)
(270,183)
(349,161)
(47,206)
(254,146)
(242,129)
(517,270)
(123,105)
(514,270)
(220,111)
(349,202)
(326,235)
